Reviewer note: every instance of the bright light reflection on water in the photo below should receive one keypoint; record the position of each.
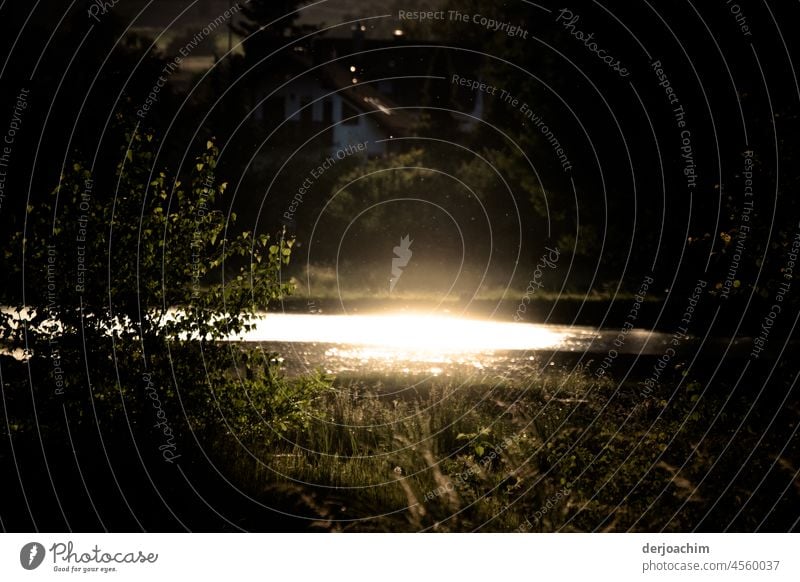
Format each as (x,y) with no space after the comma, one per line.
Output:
(436,340)
(435,344)
(414,333)
(410,343)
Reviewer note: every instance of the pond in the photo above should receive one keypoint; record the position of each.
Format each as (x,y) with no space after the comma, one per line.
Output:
(436,344)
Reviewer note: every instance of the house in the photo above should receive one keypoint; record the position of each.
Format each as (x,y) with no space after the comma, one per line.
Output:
(331,100)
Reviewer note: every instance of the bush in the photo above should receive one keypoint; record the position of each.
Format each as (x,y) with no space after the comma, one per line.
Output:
(132,279)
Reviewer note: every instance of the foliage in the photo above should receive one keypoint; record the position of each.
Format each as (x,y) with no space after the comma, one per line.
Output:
(132,282)
(453,206)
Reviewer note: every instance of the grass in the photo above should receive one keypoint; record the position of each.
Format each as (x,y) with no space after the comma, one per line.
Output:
(548,449)
(545,451)
(446,455)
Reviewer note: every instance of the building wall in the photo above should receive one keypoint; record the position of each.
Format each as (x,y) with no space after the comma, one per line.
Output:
(363,128)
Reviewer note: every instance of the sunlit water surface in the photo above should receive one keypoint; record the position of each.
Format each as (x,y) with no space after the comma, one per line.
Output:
(431,344)
(410,343)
